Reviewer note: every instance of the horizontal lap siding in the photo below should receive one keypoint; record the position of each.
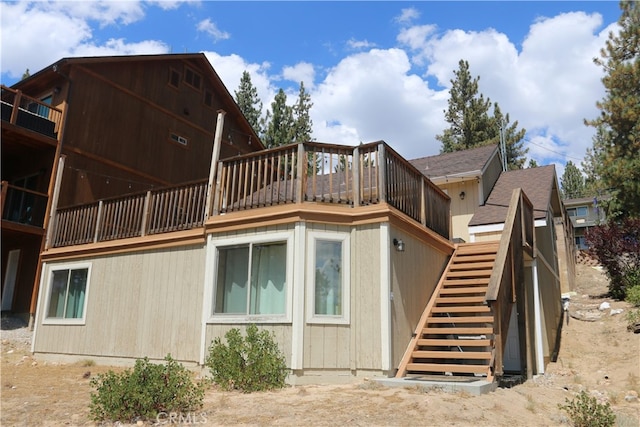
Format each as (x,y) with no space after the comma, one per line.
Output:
(139,304)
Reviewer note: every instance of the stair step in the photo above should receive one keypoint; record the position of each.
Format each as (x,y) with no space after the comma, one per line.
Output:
(462,309)
(459,300)
(461,319)
(434,342)
(442,367)
(471,265)
(466,282)
(469,355)
(456,291)
(473,274)
(484,330)
(476,258)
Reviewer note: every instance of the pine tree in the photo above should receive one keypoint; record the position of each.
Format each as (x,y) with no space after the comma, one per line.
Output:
(532,163)
(593,161)
(620,115)
(279,122)
(572,182)
(249,102)
(26,74)
(303,125)
(471,125)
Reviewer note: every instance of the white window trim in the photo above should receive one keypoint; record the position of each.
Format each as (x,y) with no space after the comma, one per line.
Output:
(251,318)
(344,318)
(61,321)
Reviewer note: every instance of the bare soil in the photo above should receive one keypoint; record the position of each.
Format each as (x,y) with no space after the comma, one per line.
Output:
(597,354)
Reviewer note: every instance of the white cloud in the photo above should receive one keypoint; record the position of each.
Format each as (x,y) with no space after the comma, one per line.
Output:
(407,15)
(360,44)
(210,28)
(301,72)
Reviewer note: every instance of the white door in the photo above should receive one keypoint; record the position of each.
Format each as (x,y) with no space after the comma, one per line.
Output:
(511,359)
(10,279)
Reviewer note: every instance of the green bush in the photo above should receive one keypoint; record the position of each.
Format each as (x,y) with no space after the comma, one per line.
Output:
(253,363)
(585,411)
(145,392)
(633,295)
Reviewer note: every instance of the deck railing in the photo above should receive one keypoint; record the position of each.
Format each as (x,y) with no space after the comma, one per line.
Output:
(140,214)
(30,113)
(298,173)
(508,271)
(22,205)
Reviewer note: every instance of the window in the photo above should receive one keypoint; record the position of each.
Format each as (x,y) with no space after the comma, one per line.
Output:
(328,278)
(179,139)
(252,279)
(174,78)
(67,294)
(208,98)
(579,211)
(192,78)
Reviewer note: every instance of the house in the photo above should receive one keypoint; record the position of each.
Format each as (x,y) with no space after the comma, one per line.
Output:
(584,214)
(467,176)
(344,253)
(88,129)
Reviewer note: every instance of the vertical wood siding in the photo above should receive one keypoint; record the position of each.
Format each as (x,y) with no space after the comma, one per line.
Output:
(139,304)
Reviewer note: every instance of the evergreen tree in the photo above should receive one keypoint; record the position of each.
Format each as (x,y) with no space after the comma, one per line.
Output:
(471,125)
(279,122)
(249,102)
(593,161)
(303,125)
(620,115)
(572,182)
(532,163)
(26,74)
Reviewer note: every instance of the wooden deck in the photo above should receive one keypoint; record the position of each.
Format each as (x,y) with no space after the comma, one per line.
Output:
(306,173)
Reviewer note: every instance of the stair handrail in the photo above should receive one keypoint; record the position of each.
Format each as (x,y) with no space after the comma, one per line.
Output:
(508,270)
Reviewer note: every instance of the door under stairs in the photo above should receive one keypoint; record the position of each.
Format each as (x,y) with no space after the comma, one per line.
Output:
(455,334)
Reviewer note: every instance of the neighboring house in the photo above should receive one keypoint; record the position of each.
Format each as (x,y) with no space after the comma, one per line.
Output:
(88,129)
(467,177)
(543,276)
(584,214)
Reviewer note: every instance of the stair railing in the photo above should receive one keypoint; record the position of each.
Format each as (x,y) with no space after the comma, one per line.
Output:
(507,277)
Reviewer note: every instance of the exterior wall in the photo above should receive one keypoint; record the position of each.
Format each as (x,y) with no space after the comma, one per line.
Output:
(462,209)
(414,276)
(490,176)
(487,237)
(139,304)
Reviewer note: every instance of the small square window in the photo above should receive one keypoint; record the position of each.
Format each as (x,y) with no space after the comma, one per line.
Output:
(179,139)
(67,296)
(192,78)
(208,98)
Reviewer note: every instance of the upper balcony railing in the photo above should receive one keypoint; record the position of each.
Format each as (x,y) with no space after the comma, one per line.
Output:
(30,113)
(22,205)
(297,173)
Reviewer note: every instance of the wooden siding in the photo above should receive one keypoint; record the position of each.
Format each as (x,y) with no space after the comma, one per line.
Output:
(414,276)
(145,303)
(462,209)
(490,176)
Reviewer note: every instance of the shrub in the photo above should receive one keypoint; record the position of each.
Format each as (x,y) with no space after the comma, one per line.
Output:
(145,392)
(253,363)
(616,246)
(585,411)
(633,295)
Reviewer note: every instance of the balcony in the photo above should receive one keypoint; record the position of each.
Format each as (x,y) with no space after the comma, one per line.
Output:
(30,113)
(340,176)
(23,206)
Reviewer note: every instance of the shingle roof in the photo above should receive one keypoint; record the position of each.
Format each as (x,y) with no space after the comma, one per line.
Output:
(537,183)
(457,162)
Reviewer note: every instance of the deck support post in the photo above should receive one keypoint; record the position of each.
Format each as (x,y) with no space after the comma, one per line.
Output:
(355,171)
(215,155)
(382,173)
(98,222)
(301,173)
(145,214)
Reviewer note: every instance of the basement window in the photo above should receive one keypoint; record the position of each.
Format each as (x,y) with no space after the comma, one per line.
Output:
(67,294)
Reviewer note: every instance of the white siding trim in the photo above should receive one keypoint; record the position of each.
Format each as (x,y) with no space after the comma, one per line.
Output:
(40,307)
(537,316)
(385,294)
(207,299)
(298,290)
(477,229)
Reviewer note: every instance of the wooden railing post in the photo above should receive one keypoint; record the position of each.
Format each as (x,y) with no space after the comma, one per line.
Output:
(98,222)
(423,203)
(218,190)
(16,107)
(145,214)
(5,186)
(382,173)
(301,173)
(355,173)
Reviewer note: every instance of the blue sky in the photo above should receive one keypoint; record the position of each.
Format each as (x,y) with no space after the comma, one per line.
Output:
(375,70)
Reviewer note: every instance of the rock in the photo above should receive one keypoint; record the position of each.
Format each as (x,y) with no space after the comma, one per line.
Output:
(604,306)
(631,396)
(615,311)
(586,315)
(140,423)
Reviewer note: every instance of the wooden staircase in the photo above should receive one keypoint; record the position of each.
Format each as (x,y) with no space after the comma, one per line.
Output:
(455,334)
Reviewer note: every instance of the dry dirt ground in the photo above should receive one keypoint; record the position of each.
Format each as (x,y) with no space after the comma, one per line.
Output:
(597,354)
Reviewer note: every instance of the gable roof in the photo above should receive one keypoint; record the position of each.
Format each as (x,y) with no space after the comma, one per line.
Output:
(539,184)
(458,163)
